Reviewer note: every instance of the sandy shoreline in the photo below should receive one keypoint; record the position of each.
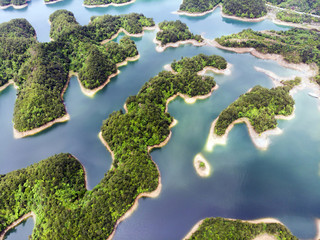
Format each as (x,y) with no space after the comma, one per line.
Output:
(243,19)
(7,85)
(257,221)
(138,35)
(226,71)
(160,48)
(201,171)
(92,92)
(17,222)
(109,4)
(53,2)
(15,7)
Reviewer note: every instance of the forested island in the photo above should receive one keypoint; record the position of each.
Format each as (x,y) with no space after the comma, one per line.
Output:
(174,32)
(219,228)
(106,3)
(294,45)
(54,190)
(196,6)
(20,3)
(40,70)
(260,106)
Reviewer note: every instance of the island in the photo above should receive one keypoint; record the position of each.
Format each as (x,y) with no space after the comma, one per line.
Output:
(19,4)
(197,8)
(220,228)
(174,34)
(201,166)
(244,9)
(259,109)
(54,190)
(42,70)
(106,3)
(295,48)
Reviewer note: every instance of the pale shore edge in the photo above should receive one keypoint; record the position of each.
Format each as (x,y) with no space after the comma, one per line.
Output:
(91,92)
(196,14)
(160,48)
(243,19)
(15,7)
(16,223)
(52,2)
(156,192)
(109,4)
(199,158)
(256,221)
(85,175)
(7,85)
(137,35)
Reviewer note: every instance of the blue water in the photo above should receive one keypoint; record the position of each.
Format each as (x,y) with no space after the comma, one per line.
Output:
(246,183)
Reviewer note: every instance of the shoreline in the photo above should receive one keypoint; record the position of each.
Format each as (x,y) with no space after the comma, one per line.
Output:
(17,222)
(8,84)
(108,4)
(157,191)
(122,30)
(17,134)
(15,7)
(256,221)
(84,173)
(202,72)
(52,2)
(91,92)
(195,14)
(243,19)
(160,48)
(201,171)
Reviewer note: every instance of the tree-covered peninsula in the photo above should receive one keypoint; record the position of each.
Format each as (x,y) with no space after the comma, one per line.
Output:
(260,106)
(106,2)
(54,189)
(40,70)
(219,228)
(295,45)
(175,31)
(245,8)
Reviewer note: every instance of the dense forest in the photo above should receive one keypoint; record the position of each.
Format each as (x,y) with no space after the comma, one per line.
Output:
(219,228)
(197,63)
(174,31)
(260,106)
(198,6)
(105,2)
(245,8)
(295,45)
(307,6)
(41,69)
(54,188)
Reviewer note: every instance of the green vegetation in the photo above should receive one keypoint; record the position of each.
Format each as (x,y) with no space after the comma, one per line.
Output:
(174,31)
(245,8)
(219,228)
(306,6)
(105,2)
(260,106)
(4,3)
(197,63)
(41,69)
(54,188)
(198,6)
(289,16)
(295,45)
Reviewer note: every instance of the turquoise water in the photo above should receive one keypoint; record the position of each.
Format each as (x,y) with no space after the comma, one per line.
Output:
(246,183)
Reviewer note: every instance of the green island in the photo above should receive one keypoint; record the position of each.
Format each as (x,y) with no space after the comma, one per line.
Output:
(76,49)
(245,8)
(242,8)
(305,6)
(173,32)
(294,45)
(196,6)
(219,228)
(54,189)
(199,62)
(260,106)
(20,3)
(105,3)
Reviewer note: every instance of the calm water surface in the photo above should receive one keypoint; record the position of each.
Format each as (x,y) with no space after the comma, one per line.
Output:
(246,183)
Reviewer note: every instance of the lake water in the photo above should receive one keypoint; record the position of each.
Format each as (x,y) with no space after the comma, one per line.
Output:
(246,183)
